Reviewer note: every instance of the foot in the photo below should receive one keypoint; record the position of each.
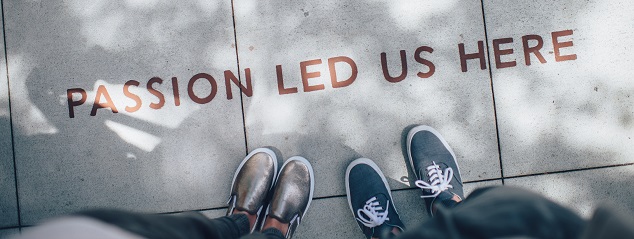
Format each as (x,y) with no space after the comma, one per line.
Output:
(434,164)
(251,184)
(292,196)
(370,199)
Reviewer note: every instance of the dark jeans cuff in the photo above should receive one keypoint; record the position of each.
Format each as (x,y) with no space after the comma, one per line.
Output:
(242,223)
(448,203)
(273,233)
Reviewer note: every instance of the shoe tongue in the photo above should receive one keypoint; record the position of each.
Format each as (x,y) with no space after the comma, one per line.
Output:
(382,199)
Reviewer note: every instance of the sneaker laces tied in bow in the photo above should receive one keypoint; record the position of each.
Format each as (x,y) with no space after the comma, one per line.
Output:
(439,180)
(370,215)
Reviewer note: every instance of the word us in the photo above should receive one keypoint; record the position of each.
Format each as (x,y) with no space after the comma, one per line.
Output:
(531,45)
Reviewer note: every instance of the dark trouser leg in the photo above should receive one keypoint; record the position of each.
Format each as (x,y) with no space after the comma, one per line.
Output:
(270,233)
(501,212)
(190,225)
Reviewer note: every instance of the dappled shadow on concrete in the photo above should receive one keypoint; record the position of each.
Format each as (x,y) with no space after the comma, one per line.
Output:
(99,161)
(68,164)
(8,206)
(332,127)
(8,201)
(571,114)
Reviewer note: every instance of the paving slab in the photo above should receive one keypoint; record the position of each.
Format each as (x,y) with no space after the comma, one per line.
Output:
(582,191)
(573,106)
(8,202)
(332,218)
(169,146)
(214,213)
(295,106)
(6,233)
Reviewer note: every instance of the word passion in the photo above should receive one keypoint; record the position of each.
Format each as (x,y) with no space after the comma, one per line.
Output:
(531,44)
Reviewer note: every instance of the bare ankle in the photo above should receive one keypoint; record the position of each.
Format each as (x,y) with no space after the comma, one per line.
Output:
(456,198)
(396,231)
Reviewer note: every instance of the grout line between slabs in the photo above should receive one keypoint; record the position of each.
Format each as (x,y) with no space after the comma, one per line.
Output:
(495,113)
(196,210)
(8,228)
(15,166)
(571,170)
(235,42)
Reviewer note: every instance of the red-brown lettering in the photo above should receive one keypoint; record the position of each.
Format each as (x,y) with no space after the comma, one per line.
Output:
(421,60)
(230,77)
(386,73)
(136,98)
(72,103)
(206,99)
(102,91)
(333,71)
(156,93)
(497,52)
(177,98)
(558,45)
(307,75)
(280,82)
(535,50)
(478,55)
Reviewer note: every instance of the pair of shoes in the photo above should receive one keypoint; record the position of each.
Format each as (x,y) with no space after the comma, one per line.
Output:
(257,179)
(369,196)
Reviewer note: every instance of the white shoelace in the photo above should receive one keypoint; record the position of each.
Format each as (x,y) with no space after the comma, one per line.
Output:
(370,215)
(439,180)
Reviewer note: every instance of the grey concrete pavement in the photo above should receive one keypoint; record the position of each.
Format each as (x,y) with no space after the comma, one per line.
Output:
(573,108)
(536,94)
(165,150)
(8,200)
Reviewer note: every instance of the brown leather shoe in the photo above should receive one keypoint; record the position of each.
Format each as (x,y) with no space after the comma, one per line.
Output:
(252,182)
(293,193)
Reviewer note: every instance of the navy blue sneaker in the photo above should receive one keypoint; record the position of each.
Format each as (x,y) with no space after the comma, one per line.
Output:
(370,199)
(434,164)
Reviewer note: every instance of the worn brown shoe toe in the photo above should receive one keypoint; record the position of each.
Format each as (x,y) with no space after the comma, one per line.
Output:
(293,193)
